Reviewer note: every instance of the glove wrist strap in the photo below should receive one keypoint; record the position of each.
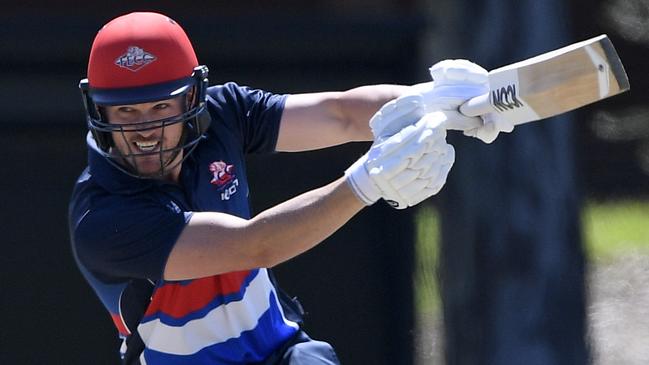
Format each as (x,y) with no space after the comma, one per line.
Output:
(359,181)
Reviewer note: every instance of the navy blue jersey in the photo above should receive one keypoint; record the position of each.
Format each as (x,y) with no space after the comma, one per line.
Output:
(123,229)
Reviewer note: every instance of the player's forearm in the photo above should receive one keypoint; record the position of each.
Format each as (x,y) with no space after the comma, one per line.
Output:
(299,224)
(358,105)
(318,120)
(214,243)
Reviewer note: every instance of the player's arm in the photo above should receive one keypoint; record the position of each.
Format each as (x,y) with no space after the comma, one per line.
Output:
(405,168)
(317,120)
(214,243)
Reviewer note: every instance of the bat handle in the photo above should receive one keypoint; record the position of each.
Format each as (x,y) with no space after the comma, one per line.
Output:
(477,106)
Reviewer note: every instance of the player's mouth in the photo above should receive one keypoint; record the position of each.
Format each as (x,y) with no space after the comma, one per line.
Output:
(147,146)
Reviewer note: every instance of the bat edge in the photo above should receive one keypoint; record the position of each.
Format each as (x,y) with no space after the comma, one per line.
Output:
(616,64)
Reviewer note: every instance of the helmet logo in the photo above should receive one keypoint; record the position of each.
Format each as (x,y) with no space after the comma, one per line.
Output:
(134,59)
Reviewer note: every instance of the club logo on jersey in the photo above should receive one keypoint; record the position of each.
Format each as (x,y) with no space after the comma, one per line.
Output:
(134,59)
(505,98)
(224,179)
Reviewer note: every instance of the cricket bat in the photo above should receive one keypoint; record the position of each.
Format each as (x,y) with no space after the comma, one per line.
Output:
(552,83)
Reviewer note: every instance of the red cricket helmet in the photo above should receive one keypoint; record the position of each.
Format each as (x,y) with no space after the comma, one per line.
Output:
(138,58)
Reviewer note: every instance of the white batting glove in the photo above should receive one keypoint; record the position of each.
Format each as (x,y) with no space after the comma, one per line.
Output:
(407,167)
(493,125)
(409,108)
(459,81)
(456,81)
(396,115)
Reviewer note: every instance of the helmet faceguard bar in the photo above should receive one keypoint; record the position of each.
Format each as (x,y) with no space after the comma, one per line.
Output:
(196,120)
(102,126)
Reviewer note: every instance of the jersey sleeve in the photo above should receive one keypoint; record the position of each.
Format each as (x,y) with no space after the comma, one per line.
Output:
(132,240)
(257,114)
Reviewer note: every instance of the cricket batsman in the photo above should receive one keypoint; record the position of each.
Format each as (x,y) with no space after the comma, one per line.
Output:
(160,221)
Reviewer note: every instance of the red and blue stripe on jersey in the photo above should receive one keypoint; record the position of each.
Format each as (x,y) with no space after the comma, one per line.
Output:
(179,325)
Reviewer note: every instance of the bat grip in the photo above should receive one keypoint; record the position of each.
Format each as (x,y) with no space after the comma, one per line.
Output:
(479,105)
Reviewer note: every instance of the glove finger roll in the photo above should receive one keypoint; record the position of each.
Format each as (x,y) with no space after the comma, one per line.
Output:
(390,195)
(442,165)
(425,162)
(448,71)
(413,189)
(395,142)
(396,114)
(420,196)
(388,168)
(404,178)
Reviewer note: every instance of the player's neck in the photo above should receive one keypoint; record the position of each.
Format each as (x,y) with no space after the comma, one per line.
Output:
(174,175)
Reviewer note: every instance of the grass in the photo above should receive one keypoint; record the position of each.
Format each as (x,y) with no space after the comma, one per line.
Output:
(614,228)
(610,229)
(426,295)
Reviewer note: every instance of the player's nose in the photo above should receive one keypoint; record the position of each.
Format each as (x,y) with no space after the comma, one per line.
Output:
(149,130)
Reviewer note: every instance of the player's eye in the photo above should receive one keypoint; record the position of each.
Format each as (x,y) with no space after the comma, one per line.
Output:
(125,109)
(161,106)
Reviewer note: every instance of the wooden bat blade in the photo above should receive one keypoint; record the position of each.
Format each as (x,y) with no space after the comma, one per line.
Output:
(553,83)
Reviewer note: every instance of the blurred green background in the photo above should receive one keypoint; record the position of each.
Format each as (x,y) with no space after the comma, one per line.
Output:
(616,238)
(612,230)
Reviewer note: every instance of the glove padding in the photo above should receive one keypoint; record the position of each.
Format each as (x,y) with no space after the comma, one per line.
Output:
(424,98)
(396,115)
(458,81)
(455,82)
(493,125)
(407,167)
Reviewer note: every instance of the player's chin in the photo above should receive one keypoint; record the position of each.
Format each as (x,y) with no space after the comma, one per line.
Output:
(153,165)
(147,166)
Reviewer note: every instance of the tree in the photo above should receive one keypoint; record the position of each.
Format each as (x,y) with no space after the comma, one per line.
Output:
(511,261)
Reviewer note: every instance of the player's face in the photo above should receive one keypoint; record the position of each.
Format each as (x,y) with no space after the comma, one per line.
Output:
(142,146)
